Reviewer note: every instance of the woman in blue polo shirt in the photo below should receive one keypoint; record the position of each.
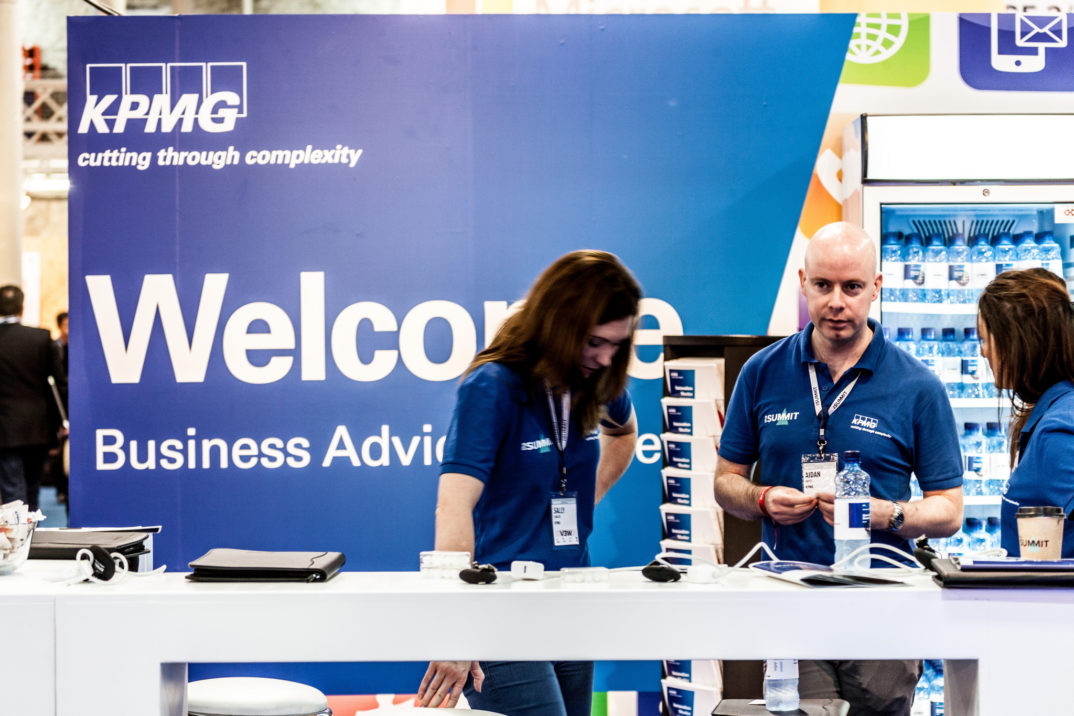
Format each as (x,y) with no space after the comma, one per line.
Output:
(1026,324)
(542,428)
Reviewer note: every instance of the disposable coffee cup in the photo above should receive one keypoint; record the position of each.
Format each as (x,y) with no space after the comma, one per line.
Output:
(1040,532)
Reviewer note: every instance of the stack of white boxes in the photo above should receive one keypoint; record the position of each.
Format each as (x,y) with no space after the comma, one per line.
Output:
(693,522)
(692,688)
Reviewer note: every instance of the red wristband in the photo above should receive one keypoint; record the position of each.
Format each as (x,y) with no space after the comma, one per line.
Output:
(760,500)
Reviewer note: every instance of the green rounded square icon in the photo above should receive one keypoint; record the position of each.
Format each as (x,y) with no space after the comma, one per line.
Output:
(888,48)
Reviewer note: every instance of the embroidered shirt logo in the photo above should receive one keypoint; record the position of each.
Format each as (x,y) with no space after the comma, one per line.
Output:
(781,418)
(544,444)
(864,421)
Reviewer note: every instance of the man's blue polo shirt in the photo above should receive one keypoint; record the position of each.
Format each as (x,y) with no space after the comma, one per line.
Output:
(502,436)
(1045,472)
(897,415)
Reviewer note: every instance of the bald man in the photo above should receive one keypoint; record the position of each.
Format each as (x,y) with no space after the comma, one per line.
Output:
(841,373)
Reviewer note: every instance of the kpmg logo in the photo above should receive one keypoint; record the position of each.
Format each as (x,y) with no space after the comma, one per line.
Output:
(163,96)
(781,418)
(864,421)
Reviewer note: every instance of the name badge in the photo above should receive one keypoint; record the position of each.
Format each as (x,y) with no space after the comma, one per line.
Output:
(818,473)
(565,520)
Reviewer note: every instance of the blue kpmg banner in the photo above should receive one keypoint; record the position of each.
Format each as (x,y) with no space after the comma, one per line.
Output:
(290,235)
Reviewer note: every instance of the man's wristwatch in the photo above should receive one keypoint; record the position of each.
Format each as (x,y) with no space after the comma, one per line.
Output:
(897,517)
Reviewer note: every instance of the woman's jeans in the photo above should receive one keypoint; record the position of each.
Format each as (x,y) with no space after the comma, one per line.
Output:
(534,688)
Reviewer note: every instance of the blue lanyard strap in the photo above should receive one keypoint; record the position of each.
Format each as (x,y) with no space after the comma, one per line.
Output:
(824,413)
(560,432)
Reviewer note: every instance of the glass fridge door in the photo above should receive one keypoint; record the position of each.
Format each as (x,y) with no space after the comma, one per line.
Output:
(937,252)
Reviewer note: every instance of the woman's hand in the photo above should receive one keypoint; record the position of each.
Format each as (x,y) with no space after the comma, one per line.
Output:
(443,682)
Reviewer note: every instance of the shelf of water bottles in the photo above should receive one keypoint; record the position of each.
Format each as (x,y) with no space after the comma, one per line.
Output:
(985,463)
(946,274)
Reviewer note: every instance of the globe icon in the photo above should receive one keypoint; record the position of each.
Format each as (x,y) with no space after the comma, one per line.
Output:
(877,36)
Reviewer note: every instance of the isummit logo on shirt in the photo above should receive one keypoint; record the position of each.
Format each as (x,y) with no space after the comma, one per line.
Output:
(782,418)
(543,444)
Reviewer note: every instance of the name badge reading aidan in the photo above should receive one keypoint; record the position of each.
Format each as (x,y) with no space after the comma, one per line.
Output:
(818,473)
(565,520)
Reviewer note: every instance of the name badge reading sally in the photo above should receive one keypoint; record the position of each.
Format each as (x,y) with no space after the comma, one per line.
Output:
(565,520)
(818,473)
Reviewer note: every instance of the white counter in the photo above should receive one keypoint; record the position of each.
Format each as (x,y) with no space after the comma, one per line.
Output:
(127,645)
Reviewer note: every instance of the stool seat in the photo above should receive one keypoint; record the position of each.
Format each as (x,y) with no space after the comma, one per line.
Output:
(253,696)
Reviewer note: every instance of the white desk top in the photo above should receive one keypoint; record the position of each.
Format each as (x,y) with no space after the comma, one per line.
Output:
(146,628)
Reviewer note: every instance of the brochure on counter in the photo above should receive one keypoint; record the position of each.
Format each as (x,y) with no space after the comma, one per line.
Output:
(810,574)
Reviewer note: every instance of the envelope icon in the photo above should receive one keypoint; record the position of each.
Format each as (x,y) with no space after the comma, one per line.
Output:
(1040,30)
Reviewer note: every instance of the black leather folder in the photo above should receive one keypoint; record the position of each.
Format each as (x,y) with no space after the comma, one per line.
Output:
(64,544)
(244,565)
(947,574)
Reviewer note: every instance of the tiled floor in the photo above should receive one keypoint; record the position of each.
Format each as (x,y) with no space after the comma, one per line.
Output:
(55,513)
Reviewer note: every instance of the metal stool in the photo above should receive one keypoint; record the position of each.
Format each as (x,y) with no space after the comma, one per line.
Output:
(254,696)
(813,707)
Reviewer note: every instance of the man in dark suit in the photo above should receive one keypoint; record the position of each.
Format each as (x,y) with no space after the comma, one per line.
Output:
(28,356)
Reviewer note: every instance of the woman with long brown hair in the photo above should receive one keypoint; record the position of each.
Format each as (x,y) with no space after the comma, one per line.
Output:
(542,428)
(1026,325)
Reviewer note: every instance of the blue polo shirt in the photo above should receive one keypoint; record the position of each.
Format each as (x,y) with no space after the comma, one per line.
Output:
(502,436)
(898,416)
(1045,472)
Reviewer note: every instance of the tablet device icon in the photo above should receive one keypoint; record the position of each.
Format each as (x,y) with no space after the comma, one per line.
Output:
(1006,53)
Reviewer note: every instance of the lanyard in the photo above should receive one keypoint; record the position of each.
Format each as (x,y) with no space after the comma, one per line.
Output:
(824,413)
(560,431)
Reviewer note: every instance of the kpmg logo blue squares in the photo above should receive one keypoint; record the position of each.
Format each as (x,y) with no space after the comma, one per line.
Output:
(161,96)
(1016,51)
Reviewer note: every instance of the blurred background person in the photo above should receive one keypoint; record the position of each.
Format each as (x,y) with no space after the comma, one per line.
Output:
(28,425)
(56,467)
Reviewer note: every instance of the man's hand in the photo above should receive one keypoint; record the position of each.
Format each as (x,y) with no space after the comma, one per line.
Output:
(788,506)
(443,682)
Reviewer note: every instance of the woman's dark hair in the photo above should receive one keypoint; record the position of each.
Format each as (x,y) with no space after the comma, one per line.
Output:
(1030,324)
(543,340)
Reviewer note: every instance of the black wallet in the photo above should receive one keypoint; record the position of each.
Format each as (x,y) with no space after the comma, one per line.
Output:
(64,544)
(947,574)
(245,565)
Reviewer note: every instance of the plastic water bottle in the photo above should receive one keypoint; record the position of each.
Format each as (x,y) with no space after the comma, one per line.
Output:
(928,350)
(936,269)
(977,538)
(973,365)
(1051,256)
(781,685)
(936,692)
(904,338)
(992,530)
(851,506)
(891,265)
(951,362)
(982,265)
(1028,251)
(913,256)
(999,461)
(959,273)
(1004,252)
(973,459)
(922,701)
